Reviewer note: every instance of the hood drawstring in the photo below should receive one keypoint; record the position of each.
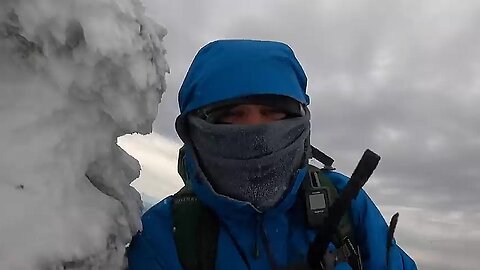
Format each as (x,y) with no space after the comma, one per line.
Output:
(237,245)
(261,232)
(258,225)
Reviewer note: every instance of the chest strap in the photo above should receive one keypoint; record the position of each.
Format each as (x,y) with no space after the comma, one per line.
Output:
(195,231)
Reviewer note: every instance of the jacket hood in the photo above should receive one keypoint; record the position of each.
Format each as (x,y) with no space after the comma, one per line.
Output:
(229,69)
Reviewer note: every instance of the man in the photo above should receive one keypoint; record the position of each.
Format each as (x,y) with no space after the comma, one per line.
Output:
(246,128)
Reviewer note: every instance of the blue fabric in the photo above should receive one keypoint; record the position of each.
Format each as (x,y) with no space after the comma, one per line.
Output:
(224,70)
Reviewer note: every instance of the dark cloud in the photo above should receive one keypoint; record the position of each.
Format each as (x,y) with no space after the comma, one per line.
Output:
(400,77)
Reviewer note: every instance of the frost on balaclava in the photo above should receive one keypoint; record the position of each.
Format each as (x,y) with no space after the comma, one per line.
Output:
(251,163)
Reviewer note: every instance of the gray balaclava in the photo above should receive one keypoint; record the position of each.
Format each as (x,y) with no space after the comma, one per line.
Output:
(252,163)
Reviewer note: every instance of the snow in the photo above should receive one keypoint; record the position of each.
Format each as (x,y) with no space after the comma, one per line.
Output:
(74,76)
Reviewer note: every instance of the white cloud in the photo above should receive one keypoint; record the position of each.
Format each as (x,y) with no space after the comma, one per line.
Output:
(439,239)
(158,158)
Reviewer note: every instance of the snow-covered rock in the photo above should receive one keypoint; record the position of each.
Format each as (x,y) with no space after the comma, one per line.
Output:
(74,76)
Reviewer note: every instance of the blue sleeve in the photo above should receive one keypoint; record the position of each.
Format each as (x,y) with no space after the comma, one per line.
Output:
(141,256)
(371,233)
(154,248)
(398,259)
(371,230)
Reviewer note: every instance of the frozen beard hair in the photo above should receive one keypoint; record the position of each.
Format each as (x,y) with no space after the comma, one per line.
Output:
(251,163)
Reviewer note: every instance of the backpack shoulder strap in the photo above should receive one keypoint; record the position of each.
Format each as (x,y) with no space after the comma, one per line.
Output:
(344,238)
(195,231)
(345,228)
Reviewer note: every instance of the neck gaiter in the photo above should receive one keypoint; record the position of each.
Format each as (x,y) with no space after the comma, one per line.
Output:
(251,163)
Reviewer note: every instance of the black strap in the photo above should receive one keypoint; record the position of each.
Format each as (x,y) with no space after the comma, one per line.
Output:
(362,172)
(391,231)
(344,239)
(207,247)
(322,157)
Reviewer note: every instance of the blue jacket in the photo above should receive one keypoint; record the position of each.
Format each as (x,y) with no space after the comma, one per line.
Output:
(280,231)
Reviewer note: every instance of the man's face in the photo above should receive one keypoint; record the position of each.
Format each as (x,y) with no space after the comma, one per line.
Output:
(250,114)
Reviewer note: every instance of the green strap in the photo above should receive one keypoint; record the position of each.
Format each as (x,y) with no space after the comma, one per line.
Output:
(344,239)
(195,227)
(345,228)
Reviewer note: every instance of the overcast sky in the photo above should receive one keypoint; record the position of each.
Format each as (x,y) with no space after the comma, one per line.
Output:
(399,77)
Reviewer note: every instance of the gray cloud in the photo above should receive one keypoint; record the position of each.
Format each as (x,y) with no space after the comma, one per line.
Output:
(399,77)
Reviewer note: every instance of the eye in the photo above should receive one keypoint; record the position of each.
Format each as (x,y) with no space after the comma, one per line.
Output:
(217,115)
(231,115)
(234,112)
(273,113)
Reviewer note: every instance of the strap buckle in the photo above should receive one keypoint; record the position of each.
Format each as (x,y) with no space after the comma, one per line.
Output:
(348,253)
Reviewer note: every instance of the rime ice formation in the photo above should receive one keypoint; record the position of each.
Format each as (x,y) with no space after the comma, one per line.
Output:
(74,76)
